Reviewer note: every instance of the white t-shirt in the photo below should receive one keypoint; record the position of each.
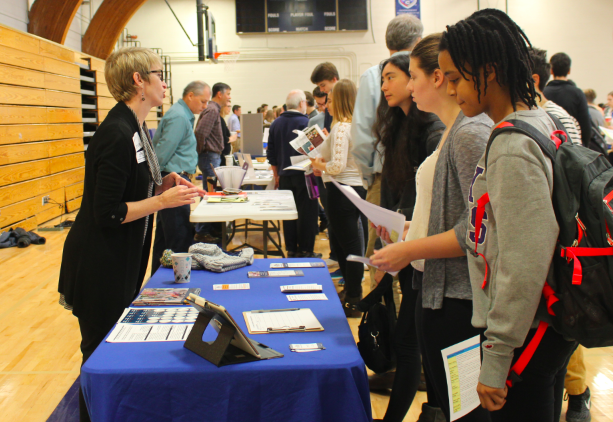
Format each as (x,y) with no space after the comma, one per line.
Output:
(424,180)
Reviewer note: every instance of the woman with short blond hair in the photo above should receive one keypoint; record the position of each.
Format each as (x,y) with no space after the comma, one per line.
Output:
(107,249)
(338,162)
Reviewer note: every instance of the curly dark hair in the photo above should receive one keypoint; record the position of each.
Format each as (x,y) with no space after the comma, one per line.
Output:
(491,37)
(400,155)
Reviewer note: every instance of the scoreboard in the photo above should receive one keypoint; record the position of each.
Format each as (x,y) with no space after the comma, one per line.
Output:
(289,16)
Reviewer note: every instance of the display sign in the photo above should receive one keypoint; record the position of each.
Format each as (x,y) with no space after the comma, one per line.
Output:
(408,7)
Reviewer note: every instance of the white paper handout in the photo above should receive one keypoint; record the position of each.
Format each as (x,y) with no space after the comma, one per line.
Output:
(308,140)
(392,221)
(364,260)
(281,319)
(462,367)
(299,162)
(130,333)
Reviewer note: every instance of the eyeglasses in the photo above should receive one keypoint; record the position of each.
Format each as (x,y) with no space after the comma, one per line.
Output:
(160,74)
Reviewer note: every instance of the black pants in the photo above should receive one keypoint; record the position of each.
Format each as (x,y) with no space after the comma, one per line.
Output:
(408,362)
(438,329)
(343,217)
(323,195)
(538,397)
(173,230)
(91,336)
(300,234)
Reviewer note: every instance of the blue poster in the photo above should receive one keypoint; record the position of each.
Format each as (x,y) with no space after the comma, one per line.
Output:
(408,6)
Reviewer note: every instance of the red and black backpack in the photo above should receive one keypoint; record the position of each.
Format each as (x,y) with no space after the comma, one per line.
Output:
(580,299)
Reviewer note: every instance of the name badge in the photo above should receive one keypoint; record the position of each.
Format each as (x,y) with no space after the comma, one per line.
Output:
(140,156)
(137,144)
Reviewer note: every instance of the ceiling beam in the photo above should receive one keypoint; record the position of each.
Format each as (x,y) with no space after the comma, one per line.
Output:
(51,19)
(106,26)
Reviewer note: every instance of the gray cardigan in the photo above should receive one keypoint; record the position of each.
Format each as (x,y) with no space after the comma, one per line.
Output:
(453,175)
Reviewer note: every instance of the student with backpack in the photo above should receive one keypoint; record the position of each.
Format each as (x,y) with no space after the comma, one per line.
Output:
(444,305)
(512,228)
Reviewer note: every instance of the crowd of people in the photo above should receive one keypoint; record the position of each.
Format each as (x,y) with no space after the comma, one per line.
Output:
(412,139)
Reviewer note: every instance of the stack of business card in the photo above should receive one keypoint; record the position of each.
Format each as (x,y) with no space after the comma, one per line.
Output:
(279,273)
(309,347)
(308,296)
(301,288)
(298,265)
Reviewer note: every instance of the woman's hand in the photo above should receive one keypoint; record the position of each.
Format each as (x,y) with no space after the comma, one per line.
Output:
(492,398)
(173,179)
(325,131)
(318,164)
(393,257)
(317,173)
(178,196)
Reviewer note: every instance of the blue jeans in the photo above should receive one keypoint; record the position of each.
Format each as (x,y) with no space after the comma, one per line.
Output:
(205,159)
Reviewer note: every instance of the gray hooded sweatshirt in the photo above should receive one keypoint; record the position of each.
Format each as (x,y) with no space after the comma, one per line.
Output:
(518,239)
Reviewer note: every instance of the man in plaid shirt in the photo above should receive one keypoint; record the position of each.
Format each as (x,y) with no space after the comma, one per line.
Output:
(210,145)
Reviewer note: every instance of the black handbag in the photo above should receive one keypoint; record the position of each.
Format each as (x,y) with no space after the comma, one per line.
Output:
(377,327)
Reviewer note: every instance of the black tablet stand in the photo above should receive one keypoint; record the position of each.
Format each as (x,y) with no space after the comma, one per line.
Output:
(219,352)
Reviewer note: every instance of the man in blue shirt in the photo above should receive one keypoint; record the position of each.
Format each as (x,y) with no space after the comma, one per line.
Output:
(299,234)
(175,147)
(235,124)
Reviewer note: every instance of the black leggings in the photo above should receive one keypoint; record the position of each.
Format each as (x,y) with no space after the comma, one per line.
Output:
(538,397)
(343,218)
(408,362)
(438,329)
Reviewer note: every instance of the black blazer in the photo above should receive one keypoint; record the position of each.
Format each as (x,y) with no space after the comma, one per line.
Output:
(104,261)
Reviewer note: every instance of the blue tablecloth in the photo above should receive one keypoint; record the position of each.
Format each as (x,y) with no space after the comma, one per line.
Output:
(163,381)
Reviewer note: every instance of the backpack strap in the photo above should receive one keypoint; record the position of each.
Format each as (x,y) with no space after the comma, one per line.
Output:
(526,356)
(531,132)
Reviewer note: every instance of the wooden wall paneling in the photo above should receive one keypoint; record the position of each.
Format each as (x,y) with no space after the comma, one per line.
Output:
(11,154)
(65,146)
(66,162)
(105,103)
(165,108)
(51,210)
(31,207)
(63,115)
(61,67)
(74,204)
(62,99)
(12,75)
(102,90)
(96,63)
(63,131)
(14,173)
(28,189)
(56,51)
(20,58)
(10,37)
(152,115)
(74,191)
(102,115)
(100,77)
(17,114)
(167,100)
(62,83)
(28,224)
(22,96)
(14,134)
(152,124)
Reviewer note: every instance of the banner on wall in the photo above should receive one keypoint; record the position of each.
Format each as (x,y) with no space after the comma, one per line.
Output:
(408,6)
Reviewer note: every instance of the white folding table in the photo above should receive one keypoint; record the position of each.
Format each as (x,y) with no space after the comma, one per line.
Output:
(264,205)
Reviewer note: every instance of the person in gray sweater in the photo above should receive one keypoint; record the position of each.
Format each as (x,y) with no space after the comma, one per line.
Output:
(510,256)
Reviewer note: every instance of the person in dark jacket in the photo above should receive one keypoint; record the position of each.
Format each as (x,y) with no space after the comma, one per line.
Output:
(106,252)
(565,93)
(406,136)
(299,234)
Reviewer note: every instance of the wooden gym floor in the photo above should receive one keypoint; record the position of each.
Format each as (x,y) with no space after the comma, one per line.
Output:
(39,340)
